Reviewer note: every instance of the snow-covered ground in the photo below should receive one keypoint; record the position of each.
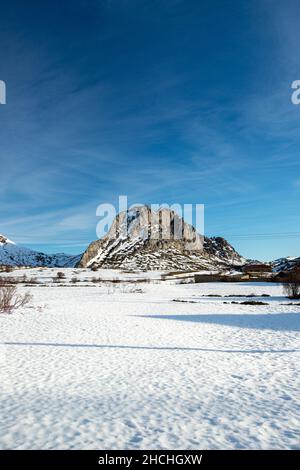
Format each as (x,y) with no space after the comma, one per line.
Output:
(118,365)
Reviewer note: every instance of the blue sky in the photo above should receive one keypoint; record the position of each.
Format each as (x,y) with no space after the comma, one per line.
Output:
(166,101)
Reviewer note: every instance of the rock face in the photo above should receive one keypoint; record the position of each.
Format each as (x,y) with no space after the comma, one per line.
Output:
(141,239)
(14,255)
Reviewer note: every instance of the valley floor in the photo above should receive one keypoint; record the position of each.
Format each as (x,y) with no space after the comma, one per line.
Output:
(118,366)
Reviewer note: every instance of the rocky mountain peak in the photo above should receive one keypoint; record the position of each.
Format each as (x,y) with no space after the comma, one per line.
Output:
(141,238)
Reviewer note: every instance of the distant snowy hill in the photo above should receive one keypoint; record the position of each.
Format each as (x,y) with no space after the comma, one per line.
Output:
(14,255)
(285,264)
(138,249)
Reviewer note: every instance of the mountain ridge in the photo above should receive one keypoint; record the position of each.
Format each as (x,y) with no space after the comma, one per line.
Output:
(12,254)
(288,263)
(135,250)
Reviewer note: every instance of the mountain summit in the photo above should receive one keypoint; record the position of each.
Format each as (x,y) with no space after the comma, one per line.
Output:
(143,239)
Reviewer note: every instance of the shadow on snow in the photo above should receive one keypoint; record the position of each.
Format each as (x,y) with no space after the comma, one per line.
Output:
(152,348)
(270,321)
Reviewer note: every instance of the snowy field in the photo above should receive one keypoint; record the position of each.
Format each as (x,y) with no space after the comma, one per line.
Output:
(115,365)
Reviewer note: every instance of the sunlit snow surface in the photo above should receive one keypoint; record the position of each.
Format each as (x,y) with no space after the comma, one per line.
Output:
(99,366)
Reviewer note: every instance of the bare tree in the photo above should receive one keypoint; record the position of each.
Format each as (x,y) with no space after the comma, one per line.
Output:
(292,286)
(10,300)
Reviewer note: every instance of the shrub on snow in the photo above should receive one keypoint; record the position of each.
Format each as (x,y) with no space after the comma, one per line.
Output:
(10,299)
